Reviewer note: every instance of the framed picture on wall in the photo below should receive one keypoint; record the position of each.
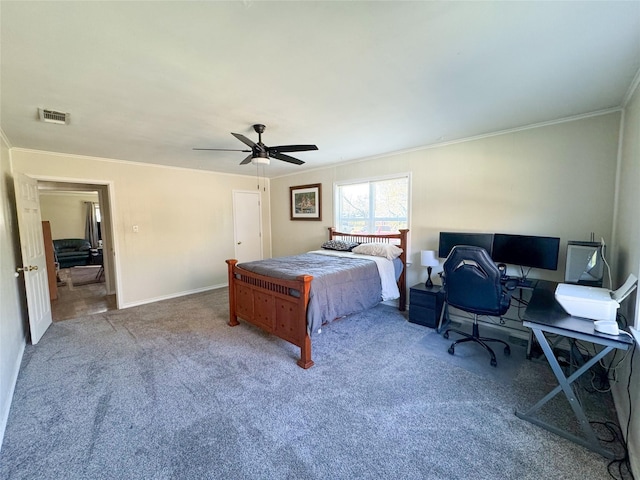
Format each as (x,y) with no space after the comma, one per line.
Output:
(306,202)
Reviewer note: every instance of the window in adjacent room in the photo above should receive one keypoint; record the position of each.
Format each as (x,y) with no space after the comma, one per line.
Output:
(96,207)
(372,206)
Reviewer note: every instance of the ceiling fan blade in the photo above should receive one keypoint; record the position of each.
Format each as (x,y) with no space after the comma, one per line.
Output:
(261,152)
(293,148)
(244,139)
(285,158)
(223,149)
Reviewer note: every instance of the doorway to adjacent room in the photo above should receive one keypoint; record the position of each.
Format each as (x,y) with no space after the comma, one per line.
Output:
(86,288)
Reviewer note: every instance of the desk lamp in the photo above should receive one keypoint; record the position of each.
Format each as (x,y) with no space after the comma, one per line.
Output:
(428,259)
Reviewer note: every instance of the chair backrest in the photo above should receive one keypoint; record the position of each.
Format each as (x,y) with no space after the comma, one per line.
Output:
(473,283)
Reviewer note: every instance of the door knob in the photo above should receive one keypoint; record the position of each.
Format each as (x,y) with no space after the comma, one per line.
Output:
(239,243)
(27,269)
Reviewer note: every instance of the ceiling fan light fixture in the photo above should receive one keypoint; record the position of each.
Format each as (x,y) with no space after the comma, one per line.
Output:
(260,161)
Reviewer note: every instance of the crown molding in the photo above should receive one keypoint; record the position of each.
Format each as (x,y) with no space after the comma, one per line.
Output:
(508,131)
(632,88)
(469,139)
(123,162)
(573,118)
(5,139)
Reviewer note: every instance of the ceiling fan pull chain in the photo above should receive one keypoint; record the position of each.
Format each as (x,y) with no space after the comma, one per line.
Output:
(264,179)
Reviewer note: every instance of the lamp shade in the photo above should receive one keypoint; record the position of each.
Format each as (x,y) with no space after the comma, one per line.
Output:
(428,258)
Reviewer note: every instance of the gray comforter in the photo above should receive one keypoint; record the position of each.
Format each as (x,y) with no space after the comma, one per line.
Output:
(340,286)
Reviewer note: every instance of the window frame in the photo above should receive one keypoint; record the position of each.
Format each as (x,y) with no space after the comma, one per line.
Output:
(341,183)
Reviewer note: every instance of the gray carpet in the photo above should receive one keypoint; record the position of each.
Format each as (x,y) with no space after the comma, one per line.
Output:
(169,391)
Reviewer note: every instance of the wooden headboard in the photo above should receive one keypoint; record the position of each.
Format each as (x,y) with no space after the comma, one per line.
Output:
(399,239)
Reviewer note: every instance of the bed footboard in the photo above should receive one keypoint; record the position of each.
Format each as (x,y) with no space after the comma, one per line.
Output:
(276,305)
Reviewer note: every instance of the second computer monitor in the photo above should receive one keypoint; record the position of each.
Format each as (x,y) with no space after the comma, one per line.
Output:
(526,250)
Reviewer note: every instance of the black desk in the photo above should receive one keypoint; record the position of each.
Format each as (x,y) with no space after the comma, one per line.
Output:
(545,315)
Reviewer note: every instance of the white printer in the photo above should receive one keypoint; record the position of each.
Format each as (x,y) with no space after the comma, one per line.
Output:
(593,302)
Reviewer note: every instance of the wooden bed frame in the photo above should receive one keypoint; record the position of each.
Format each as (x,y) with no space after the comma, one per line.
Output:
(267,302)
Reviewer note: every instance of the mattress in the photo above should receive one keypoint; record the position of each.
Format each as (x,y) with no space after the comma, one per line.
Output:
(342,283)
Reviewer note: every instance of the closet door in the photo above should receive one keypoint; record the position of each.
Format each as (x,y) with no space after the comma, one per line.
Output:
(247,220)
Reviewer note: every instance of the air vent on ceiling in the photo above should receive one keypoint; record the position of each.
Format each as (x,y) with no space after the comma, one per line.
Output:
(51,116)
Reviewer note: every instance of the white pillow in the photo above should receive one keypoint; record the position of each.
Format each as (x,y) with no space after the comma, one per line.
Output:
(386,250)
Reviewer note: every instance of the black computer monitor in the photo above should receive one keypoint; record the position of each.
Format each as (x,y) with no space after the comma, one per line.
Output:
(526,250)
(448,240)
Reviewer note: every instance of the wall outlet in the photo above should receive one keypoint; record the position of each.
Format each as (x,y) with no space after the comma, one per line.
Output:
(135,229)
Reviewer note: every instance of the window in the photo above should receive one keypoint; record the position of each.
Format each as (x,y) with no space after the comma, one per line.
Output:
(373,206)
(96,208)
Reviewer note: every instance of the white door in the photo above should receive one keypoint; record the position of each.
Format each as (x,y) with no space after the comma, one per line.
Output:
(247,220)
(34,265)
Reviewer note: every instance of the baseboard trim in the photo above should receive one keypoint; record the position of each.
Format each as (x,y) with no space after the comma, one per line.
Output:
(172,295)
(4,414)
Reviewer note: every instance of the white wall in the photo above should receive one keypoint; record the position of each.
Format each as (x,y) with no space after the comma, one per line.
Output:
(66,212)
(13,316)
(628,261)
(556,180)
(184,219)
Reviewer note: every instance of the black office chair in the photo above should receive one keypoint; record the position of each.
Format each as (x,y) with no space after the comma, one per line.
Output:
(474,284)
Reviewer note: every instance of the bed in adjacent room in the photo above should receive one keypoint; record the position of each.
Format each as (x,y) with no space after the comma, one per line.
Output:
(292,297)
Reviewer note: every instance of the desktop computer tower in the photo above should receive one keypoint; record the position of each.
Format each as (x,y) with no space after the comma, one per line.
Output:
(585,264)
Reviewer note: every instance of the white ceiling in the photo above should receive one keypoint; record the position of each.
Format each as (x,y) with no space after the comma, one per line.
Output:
(147,81)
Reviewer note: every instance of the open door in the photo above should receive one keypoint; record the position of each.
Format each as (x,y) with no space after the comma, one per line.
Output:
(34,267)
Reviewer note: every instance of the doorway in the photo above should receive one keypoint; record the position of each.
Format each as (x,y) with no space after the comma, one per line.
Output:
(87,287)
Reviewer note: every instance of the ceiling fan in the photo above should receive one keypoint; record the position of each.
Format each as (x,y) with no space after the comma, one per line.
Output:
(260,153)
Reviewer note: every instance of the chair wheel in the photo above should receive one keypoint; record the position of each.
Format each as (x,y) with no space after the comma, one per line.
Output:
(494,363)
(507,351)
(445,334)
(451,351)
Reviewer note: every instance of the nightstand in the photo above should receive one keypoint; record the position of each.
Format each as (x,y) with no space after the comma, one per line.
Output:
(425,304)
